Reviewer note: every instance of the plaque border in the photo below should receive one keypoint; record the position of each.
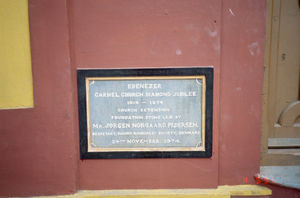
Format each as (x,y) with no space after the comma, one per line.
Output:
(90,149)
(206,73)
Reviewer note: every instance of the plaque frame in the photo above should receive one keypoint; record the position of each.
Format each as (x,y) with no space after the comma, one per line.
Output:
(205,73)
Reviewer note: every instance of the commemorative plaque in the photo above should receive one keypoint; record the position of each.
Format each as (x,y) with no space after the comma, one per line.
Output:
(145,113)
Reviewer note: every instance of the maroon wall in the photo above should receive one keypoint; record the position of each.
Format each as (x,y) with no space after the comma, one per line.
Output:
(142,33)
(241,89)
(39,146)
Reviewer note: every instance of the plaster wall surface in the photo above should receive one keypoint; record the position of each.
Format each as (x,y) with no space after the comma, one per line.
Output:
(37,146)
(142,34)
(40,153)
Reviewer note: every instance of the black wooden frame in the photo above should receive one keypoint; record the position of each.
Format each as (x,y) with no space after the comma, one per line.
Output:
(82,74)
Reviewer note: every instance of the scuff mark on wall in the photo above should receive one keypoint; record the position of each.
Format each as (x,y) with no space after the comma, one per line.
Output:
(231,12)
(178,52)
(254,48)
(210,32)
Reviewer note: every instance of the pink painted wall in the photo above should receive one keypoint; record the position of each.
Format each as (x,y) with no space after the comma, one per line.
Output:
(38,146)
(40,153)
(144,33)
(241,89)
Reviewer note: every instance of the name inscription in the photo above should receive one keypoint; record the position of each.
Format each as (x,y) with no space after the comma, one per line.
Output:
(136,114)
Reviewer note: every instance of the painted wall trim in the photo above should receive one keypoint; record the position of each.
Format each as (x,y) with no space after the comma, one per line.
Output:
(16,88)
(220,192)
